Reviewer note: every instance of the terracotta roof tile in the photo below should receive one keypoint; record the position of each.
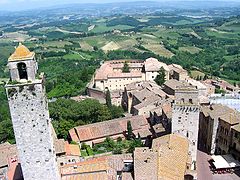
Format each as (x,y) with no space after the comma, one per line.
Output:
(231,118)
(152,64)
(173,83)
(113,69)
(21,53)
(72,149)
(59,145)
(145,164)
(106,128)
(173,156)
(7,151)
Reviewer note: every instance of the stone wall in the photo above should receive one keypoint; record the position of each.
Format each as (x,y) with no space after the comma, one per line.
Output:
(224,137)
(97,94)
(116,83)
(185,119)
(32,129)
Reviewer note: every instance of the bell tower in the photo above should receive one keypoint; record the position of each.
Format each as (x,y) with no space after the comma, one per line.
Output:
(30,117)
(22,65)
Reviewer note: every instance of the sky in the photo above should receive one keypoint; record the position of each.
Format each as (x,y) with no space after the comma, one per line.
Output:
(32,4)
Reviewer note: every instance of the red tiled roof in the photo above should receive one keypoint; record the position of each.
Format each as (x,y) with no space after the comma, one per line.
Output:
(107,70)
(107,128)
(152,64)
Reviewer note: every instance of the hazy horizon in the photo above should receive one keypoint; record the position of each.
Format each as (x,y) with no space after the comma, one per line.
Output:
(18,5)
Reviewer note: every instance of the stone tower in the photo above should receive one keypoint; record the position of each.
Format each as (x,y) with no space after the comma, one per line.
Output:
(185,118)
(30,117)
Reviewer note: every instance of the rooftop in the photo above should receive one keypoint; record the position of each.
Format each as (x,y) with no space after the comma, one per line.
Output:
(72,149)
(141,85)
(173,156)
(145,163)
(113,69)
(59,145)
(91,169)
(177,68)
(198,84)
(174,84)
(237,127)
(104,167)
(231,118)
(152,64)
(225,113)
(107,128)
(7,151)
(167,159)
(21,53)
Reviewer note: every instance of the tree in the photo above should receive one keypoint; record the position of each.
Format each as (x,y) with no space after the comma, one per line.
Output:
(117,149)
(133,144)
(95,48)
(160,79)
(116,111)
(129,130)
(67,113)
(125,67)
(109,143)
(119,139)
(62,127)
(108,99)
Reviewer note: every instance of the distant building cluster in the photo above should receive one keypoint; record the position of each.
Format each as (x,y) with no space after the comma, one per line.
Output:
(172,121)
(111,76)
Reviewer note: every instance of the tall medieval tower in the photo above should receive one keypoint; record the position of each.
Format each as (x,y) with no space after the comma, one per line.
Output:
(185,118)
(30,117)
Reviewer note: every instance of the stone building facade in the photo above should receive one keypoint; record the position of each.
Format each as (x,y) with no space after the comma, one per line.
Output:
(185,118)
(218,128)
(235,143)
(30,117)
(177,72)
(111,76)
(224,132)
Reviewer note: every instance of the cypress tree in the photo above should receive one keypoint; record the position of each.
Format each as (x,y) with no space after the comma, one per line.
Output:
(129,130)
(108,99)
(160,79)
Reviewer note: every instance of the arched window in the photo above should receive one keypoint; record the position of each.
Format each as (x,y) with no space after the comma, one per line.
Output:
(22,70)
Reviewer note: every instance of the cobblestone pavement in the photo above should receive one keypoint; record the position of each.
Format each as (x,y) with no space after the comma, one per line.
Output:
(204,172)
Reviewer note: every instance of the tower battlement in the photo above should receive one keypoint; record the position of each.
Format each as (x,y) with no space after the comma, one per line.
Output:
(186,108)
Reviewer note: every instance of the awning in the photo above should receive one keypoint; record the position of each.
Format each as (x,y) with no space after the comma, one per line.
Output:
(225,161)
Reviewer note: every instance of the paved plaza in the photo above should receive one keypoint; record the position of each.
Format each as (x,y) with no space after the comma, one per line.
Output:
(204,173)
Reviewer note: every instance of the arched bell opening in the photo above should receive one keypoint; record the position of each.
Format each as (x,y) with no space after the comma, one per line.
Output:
(22,70)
